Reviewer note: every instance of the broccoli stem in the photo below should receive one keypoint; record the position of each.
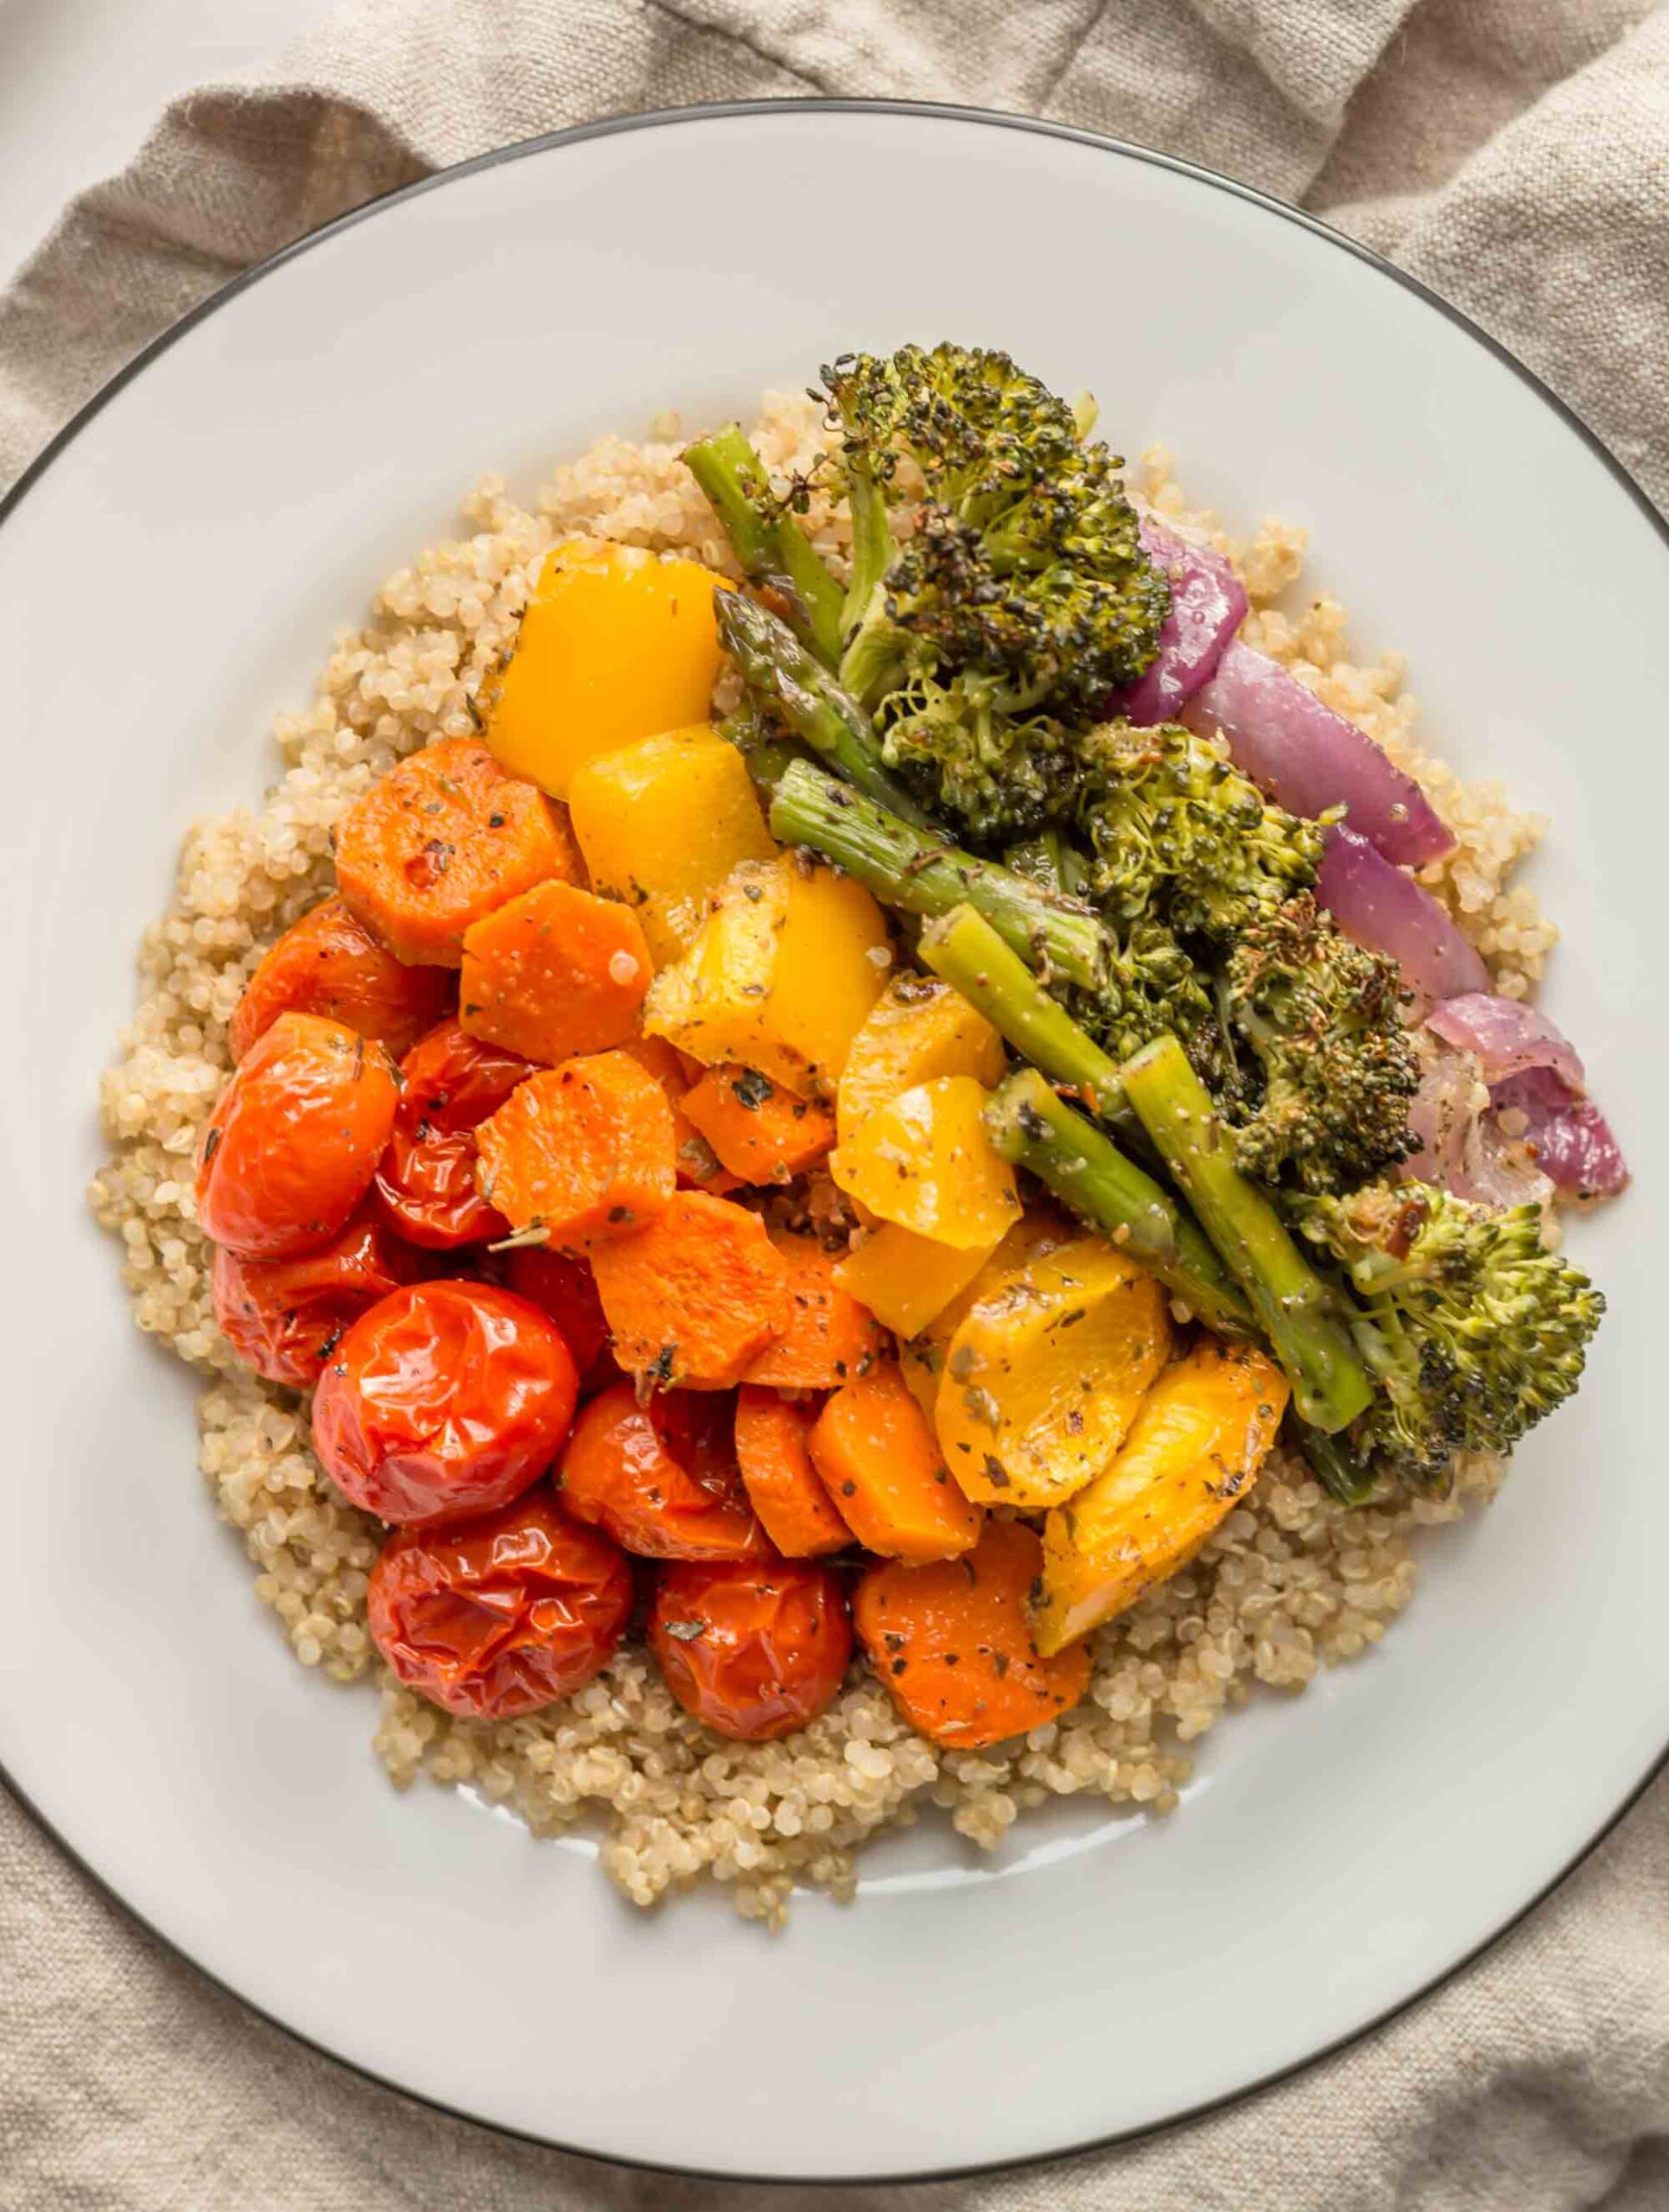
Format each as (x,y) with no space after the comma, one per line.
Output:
(768,544)
(915,869)
(781,672)
(1331,1385)
(963,948)
(1033,1128)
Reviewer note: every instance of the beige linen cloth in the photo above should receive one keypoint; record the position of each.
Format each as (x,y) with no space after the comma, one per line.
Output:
(1513,153)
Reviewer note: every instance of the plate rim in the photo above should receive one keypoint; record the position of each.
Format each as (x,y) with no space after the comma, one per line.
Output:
(933,110)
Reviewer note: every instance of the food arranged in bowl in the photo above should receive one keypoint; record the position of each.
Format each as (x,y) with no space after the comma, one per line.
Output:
(862,1134)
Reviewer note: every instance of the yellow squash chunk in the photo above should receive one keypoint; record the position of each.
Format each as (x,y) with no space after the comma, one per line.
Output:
(925,1161)
(921,1357)
(662,824)
(779,978)
(918,1029)
(907,1281)
(1042,1378)
(1195,1447)
(616,645)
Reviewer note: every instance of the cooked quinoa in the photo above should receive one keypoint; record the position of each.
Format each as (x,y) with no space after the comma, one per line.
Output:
(1289,1581)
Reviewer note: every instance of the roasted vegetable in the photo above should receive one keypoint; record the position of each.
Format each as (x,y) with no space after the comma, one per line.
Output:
(768,544)
(1043,1376)
(697,1295)
(1336,1067)
(555,972)
(926,1163)
(917,1030)
(662,824)
(616,645)
(907,1281)
(1471,1329)
(875,1452)
(1297,1313)
(1195,1445)
(954,1645)
(780,977)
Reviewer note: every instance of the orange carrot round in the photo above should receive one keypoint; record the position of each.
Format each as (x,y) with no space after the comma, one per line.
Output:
(582,1152)
(773,1450)
(696,1294)
(440,841)
(882,1468)
(828,1337)
(329,963)
(758,1131)
(953,1642)
(554,973)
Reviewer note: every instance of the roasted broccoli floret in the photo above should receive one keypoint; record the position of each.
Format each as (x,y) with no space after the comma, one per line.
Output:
(1473,1331)
(1175,831)
(1017,587)
(1332,1065)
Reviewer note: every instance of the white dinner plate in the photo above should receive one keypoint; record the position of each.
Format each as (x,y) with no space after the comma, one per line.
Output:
(171,573)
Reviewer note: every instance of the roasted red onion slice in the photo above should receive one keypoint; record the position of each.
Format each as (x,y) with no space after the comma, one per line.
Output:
(1461,1149)
(1533,1070)
(1507,1036)
(1570,1138)
(1373,901)
(1308,759)
(1207,605)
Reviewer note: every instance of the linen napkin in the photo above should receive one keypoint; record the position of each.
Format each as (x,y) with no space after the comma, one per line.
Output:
(1514,153)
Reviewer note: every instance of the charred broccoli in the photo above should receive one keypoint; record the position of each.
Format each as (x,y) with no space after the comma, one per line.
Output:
(1333,1066)
(1473,1331)
(1175,831)
(1020,594)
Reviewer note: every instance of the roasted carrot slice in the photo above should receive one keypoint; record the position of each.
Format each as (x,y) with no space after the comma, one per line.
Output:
(329,963)
(873,1448)
(582,1152)
(757,1130)
(696,1294)
(698,1164)
(440,841)
(828,1337)
(554,973)
(773,1451)
(952,1643)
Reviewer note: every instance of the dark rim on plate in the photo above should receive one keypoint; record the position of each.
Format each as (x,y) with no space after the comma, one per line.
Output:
(936,111)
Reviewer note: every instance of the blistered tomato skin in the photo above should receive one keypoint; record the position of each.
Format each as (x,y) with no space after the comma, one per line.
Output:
(329,963)
(427,1179)
(563,1286)
(284,1318)
(754,1651)
(502,1614)
(445,1401)
(662,1478)
(295,1138)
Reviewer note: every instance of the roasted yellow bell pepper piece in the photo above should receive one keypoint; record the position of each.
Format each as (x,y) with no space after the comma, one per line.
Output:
(662,824)
(907,1281)
(918,1029)
(1195,1447)
(780,976)
(921,1357)
(1042,1378)
(616,645)
(925,1162)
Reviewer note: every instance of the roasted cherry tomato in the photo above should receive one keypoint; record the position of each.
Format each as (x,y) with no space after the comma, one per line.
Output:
(753,1652)
(329,963)
(565,1288)
(427,1180)
(503,1613)
(284,1318)
(295,1138)
(662,1477)
(443,1402)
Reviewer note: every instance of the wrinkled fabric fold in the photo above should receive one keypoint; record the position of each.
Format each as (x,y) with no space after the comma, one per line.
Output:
(1514,153)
